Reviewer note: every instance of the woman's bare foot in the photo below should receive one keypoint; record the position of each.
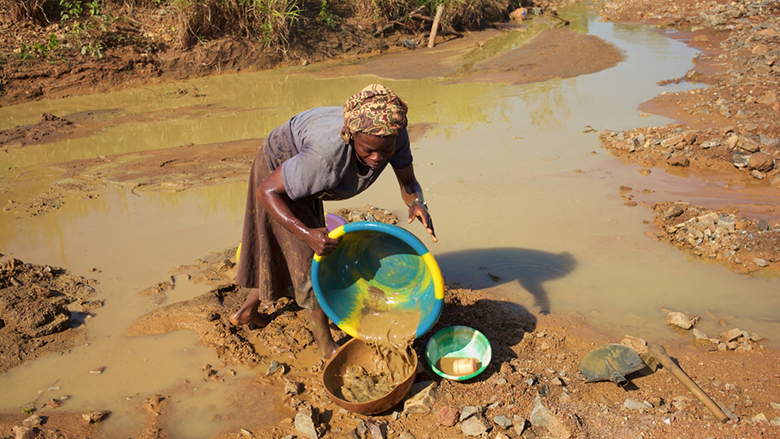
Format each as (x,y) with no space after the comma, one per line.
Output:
(242,317)
(248,312)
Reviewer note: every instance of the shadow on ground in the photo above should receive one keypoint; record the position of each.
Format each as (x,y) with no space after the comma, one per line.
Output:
(486,268)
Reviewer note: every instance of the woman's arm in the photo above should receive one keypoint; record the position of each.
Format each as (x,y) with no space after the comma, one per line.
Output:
(411,192)
(269,194)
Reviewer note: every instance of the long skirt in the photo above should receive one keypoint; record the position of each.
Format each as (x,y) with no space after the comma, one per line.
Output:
(272,258)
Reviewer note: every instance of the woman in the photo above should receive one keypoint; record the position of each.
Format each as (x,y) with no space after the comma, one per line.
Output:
(326,153)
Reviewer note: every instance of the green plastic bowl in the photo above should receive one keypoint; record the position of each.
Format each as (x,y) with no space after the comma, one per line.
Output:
(458,341)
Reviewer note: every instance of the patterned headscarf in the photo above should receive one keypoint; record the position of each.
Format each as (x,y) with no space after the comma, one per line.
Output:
(374,110)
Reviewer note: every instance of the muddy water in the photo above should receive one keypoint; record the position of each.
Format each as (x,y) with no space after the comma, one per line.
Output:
(525,205)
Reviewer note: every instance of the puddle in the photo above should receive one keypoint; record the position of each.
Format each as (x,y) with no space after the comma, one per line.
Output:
(525,205)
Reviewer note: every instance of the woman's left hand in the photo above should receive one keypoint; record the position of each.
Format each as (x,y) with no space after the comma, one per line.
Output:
(419,210)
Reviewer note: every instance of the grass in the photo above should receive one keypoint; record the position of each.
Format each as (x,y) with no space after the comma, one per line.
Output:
(268,20)
(273,22)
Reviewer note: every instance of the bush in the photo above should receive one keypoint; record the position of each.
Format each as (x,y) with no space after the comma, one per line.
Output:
(269,20)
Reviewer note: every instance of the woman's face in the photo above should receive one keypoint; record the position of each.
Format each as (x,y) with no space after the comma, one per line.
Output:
(373,151)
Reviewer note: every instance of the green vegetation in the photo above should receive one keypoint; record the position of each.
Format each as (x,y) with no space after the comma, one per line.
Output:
(89,31)
(40,50)
(325,16)
(28,410)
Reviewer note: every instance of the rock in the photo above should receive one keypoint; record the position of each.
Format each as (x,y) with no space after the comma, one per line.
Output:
(726,223)
(22,432)
(749,145)
(731,334)
(680,320)
(469,411)
(678,160)
(759,418)
(540,416)
(274,367)
(33,421)
(740,160)
(761,161)
(53,403)
(473,426)
(98,370)
(673,212)
(422,401)
(672,141)
(714,143)
(292,387)
(447,416)
(698,335)
(246,432)
(637,344)
(679,403)
(771,142)
(502,421)
(304,422)
(501,436)
(761,262)
(633,404)
(775,405)
(95,416)
(520,424)
(769,98)
(376,428)
(732,141)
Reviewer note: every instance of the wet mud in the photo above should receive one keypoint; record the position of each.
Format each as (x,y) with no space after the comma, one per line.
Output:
(36,318)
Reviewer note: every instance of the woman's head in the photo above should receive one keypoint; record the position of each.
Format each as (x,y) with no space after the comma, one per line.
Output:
(375,110)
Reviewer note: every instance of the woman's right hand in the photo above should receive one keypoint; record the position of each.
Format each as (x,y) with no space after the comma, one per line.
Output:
(320,242)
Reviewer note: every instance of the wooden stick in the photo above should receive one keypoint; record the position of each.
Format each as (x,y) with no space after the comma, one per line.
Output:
(660,355)
(435,27)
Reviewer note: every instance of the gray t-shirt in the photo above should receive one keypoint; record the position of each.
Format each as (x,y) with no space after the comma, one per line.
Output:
(316,162)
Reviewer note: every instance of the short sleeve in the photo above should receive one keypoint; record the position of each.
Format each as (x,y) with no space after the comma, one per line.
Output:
(403,155)
(308,173)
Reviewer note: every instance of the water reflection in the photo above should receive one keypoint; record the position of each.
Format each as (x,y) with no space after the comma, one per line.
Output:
(117,214)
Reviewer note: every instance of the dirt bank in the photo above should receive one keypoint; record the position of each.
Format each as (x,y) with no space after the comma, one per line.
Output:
(37,318)
(728,130)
